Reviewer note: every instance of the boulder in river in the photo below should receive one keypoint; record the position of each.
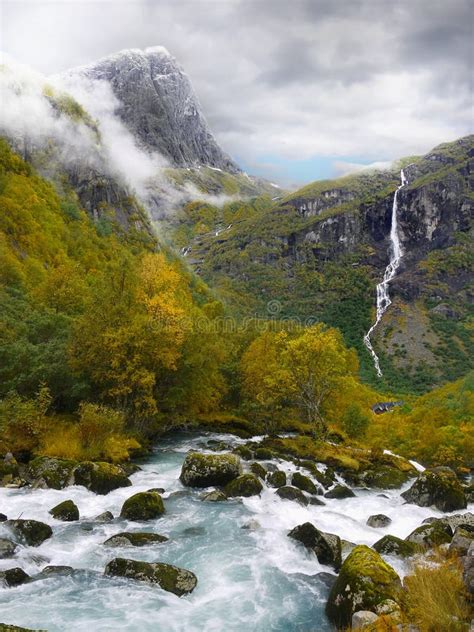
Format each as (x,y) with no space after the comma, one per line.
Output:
(438,487)
(258,470)
(7,548)
(12,577)
(106,516)
(391,545)
(385,477)
(461,541)
(264,454)
(50,472)
(171,578)
(30,532)
(244,485)
(378,521)
(364,581)
(135,539)
(292,493)
(276,479)
(205,470)
(304,483)
(326,546)
(100,478)
(339,492)
(215,496)
(55,571)
(66,511)
(3,517)
(143,506)
(431,535)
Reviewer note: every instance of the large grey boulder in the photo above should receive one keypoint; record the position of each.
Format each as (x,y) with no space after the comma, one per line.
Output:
(7,548)
(66,511)
(362,618)
(438,487)
(30,532)
(326,546)
(135,539)
(12,577)
(171,578)
(100,477)
(143,506)
(204,470)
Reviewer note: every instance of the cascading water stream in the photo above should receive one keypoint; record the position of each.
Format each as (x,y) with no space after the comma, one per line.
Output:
(396,253)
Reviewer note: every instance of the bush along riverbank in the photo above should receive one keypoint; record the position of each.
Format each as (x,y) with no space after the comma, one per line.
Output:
(380,535)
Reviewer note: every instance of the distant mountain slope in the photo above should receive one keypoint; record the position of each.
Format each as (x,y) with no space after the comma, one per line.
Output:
(159,106)
(320,251)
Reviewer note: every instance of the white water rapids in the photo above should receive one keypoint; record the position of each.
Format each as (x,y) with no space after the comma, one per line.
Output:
(248,580)
(396,253)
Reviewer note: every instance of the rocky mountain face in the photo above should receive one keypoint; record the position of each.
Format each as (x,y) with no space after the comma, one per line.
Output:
(158,105)
(321,250)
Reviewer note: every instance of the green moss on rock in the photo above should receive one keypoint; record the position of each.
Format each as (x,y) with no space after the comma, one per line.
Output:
(143,506)
(326,546)
(391,545)
(30,532)
(100,477)
(204,470)
(276,479)
(170,578)
(258,470)
(292,493)
(438,487)
(304,483)
(385,477)
(245,485)
(431,535)
(339,492)
(53,473)
(365,580)
(66,511)
(135,539)
(12,577)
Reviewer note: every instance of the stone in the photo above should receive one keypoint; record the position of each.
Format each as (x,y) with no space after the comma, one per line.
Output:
(292,493)
(213,497)
(158,490)
(339,492)
(100,477)
(378,521)
(258,470)
(245,453)
(7,548)
(244,485)
(4,627)
(326,546)
(251,525)
(462,540)
(263,454)
(30,532)
(314,500)
(364,581)
(170,578)
(135,539)
(362,618)
(468,570)
(391,545)
(106,516)
(385,477)
(304,483)
(438,487)
(430,535)
(205,470)
(143,506)
(12,577)
(55,571)
(51,472)
(66,511)
(3,517)
(276,479)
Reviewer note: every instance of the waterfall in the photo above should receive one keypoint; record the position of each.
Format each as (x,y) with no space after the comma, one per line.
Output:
(396,253)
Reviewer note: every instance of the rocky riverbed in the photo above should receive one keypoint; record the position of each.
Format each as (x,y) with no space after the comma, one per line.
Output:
(218,561)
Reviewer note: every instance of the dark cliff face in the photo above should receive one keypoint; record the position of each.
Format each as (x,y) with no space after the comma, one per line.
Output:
(159,107)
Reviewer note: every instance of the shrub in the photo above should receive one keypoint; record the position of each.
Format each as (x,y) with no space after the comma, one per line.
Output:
(355,421)
(23,421)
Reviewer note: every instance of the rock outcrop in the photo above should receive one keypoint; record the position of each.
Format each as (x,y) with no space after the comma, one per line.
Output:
(204,470)
(438,487)
(170,578)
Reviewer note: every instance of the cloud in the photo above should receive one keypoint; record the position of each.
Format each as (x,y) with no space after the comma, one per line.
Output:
(293,79)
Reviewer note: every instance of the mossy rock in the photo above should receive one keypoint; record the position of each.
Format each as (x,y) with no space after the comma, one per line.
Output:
(205,470)
(378,521)
(438,487)
(326,479)
(51,472)
(244,452)
(292,493)
(258,470)
(143,506)
(244,485)
(12,577)
(215,496)
(364,581)
(431,535)
(4,627)
(263,454)
(326,546)
(135,539)
(30,532)
(106,516)
(170,578)
(100,477)
(304,483)
(9,471)
(7,548)
(66,511)
(391,545)
(340,492)
(276,479)
(461,541)
(385,477)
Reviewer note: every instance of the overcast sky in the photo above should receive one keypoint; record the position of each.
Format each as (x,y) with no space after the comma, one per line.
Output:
(295,90)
